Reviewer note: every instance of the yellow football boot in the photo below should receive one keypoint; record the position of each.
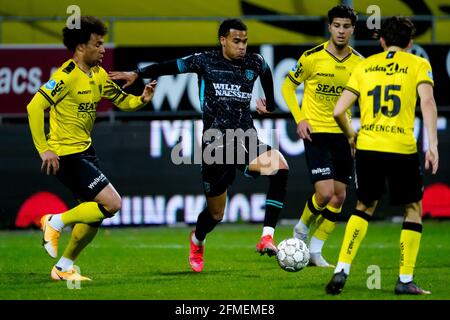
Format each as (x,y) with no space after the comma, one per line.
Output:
(71,275)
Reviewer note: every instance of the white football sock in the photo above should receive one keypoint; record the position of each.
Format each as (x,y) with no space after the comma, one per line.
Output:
(268,231)
(405,278)
(301,227)
(196,241)
(56,222)
(65,264)
(342,266)
(316,245)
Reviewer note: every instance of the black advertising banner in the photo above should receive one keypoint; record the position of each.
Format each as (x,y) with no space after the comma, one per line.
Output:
(160,187)
(23,71)
(180,92)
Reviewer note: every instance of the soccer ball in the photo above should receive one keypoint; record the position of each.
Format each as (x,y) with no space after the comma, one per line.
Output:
(293,255)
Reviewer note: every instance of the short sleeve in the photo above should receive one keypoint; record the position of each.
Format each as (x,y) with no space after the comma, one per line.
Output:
(425,74)
(56,88)
(353,83)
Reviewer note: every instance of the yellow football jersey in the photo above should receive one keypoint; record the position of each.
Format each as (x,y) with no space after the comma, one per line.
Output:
(386,84)
(73,96)
(325,77)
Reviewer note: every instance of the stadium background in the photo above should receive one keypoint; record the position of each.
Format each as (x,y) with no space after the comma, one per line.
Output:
(135,148)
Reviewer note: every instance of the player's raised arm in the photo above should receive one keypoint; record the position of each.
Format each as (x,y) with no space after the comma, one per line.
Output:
(128,76)
(125,101)
(149,91)
(148,72)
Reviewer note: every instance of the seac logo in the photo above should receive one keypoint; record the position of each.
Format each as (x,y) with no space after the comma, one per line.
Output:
(326,88)
(87,107)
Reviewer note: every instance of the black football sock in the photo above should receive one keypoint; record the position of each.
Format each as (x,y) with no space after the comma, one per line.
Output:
(275,197)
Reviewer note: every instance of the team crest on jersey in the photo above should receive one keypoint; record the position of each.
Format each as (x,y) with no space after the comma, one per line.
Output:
(249,74)
(50,85)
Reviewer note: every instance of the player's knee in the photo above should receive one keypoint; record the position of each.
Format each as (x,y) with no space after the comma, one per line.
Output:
(413,212)
(112,207)
(280,163)
(283,165)
(324,196)
(338,199)
(75,238)
(115,207)
(217,213)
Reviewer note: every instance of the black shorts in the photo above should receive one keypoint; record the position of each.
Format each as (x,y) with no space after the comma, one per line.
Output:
(403,173)
(220,161)
(81,173)
(328,156)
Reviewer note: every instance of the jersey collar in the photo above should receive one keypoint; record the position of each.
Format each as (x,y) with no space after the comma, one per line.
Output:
(336,58)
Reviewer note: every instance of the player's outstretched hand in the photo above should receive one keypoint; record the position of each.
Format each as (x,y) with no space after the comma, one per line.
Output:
(148,92)
(304,130)
(50,162)
(432,159)
(261,106)
(128,76)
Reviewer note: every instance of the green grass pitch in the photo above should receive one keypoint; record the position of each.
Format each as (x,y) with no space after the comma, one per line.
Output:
(151,264)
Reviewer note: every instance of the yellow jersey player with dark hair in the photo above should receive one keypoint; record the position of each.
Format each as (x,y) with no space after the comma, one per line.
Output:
(72,94)
(324,70)
(387,85)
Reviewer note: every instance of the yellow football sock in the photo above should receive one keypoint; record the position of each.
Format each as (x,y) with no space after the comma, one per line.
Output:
(311,211)
(326,222)
(86,212)
(82,235)
(409,247)
(355,231)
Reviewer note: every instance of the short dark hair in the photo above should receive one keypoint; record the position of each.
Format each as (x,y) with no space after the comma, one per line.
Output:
(397,31)
(342,11)
(226,25)
(88,25)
